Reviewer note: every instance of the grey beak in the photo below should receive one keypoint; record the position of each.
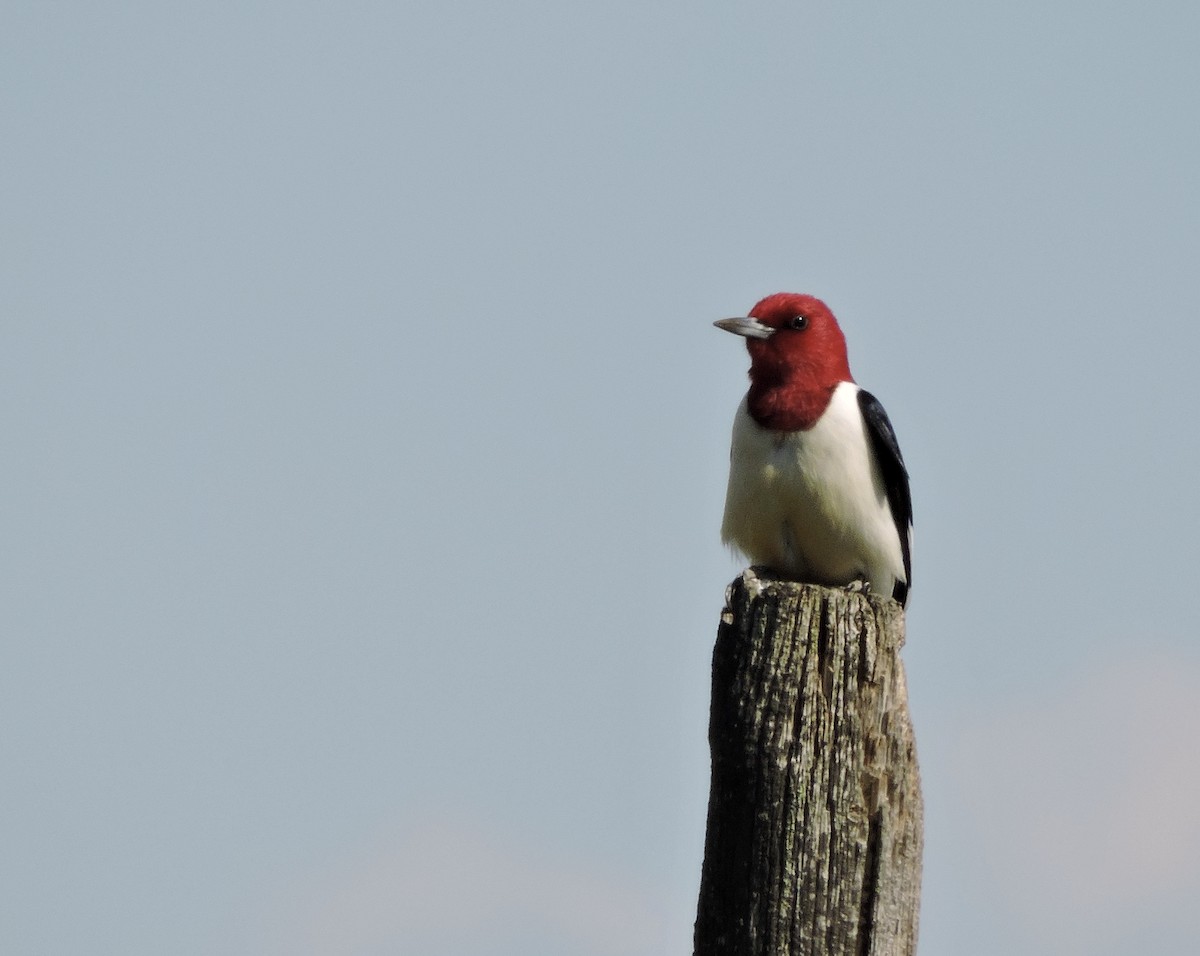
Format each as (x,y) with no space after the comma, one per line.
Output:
(750,328)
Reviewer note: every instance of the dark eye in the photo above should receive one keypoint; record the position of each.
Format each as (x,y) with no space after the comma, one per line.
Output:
(799,322)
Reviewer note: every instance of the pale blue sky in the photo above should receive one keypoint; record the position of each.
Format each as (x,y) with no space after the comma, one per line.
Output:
(366,436)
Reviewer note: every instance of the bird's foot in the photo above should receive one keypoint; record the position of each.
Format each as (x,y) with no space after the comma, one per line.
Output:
(859,587)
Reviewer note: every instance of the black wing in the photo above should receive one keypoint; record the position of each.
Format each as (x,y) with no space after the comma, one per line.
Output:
(895,479)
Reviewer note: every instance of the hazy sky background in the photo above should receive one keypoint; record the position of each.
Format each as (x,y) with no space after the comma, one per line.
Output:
(365,438)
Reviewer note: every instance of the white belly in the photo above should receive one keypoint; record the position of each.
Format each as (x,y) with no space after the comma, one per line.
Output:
(812,505)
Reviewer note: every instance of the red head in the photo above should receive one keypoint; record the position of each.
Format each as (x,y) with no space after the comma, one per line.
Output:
(797,358)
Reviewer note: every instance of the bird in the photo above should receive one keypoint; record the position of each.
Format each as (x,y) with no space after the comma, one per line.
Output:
(818,490)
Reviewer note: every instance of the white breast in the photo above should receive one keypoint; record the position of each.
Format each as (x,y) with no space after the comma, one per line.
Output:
(812,504)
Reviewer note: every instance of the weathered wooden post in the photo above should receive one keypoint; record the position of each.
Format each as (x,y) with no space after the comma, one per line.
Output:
(814,816)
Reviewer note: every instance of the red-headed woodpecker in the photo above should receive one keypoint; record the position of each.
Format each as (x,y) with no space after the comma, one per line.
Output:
(818,491)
